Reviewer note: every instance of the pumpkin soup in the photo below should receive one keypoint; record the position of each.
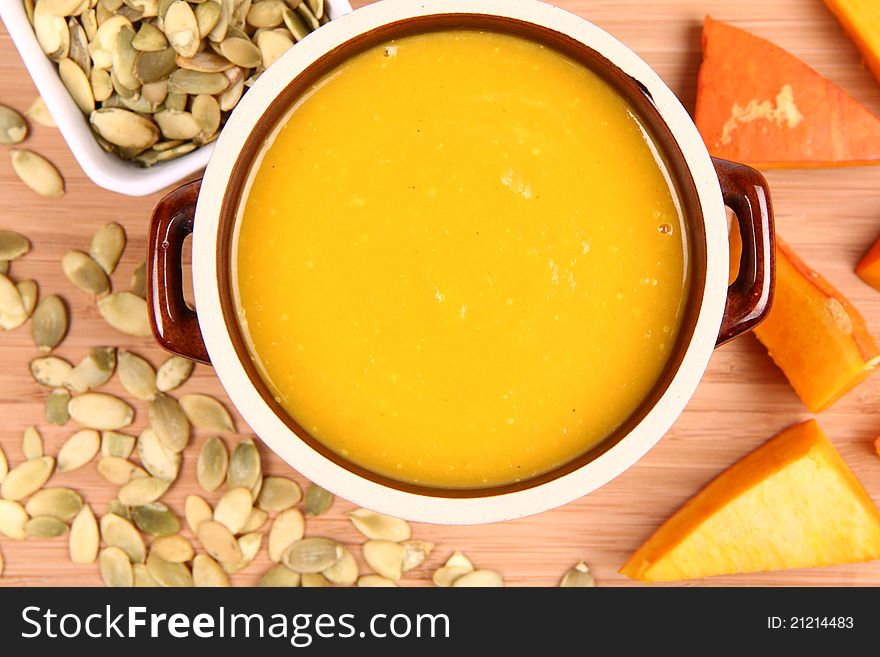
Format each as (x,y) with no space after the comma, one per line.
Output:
(460,261)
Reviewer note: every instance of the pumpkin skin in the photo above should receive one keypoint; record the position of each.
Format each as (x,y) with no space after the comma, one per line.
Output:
(758,104)
(861,21)
(792,503)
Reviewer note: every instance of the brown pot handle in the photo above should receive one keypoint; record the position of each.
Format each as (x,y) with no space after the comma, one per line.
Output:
(749,297)
(174,323)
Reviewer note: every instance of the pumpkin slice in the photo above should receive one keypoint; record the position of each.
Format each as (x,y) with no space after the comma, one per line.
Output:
(861,21)
(792,503)
(758,104)
(814,334)
(869,266)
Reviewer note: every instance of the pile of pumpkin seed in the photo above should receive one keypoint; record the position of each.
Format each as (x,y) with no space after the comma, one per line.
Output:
(157,78)
(138,541)
(33,169)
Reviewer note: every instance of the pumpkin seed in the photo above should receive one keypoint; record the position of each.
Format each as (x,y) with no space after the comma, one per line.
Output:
(143,490)
(44,527)
(28,292)
(344,572)
(176,125)
(158,460)
(244,465)
(79,450)
(118,508)
(174,548)
(123,128)
(182,29)
(279,576)
(126,312)
(415,553)
(317,500)
(579,576)
(249,544)
(273,44)
(288,527)
(98,410)
(89,21)
(176,101)
(61,7)
(50,371)
(479,578)
(149,38)
(206,62)
(79,46)
(119,471)
(229,98)
(241,52)
(155,519)
(313,580)
(278,494)
(118,532)
(61,503)
(37,172)
(4,465)
(12,245)
(173,373)
(78,85)
(234,509)
(152,156)
(40,113)
(27,478)
(84,538)
(205,412)
(257,488)
(107,246)
(212,464)
(456,566)
(169,422)
(378,526)
(385,557)
(312,555)
(152,66)
(265,13)
(207,16)
(32,443)
(375,581)
(85,273)
(49,323)
(13,129)
(196,82)
(207,573)
(10,299)
(57,407)
(153,94)
(13,518)
(51,31)
(295,24)
(116,444)
(206,113)
(219,542)
(137,376)
(94,370)
(168,574)
(256,520)
(196,511)
(115,568)
(139,283)
(142,576)
(123,56)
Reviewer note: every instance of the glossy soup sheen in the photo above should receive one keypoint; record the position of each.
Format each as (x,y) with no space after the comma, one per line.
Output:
(460,262)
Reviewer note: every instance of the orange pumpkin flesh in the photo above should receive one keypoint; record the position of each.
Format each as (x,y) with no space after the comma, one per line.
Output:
(861,21)
(815,335)
(869,267)
(792,503)
(758,104)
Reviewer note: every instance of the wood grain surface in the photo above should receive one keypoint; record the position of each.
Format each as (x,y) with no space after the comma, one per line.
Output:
(829,216)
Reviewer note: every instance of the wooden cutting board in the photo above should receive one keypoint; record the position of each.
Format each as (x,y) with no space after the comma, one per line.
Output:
(830,217)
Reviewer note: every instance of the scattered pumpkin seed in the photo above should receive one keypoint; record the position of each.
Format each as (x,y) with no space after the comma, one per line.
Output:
(219,542)
(173,373)
(85,273)
(50,371)
(79,450)
(169,422)
(212,464)
(37,172)
(479,578)
(174,548)
(51,31)
(249,544)
(120,533)
(206,572)
(84,538)
(205,412)
(12,245)
(126,312)
(273,44)
(317,500)
(244,465)
(312,555)
(155,519)
(137,376)
(98,410)
(40,113)
(44,527)
(375,581)
(168,574)
(156,458)
(115,568)
(142,576)
(143,490)
(124,128)
(13,518)
(278,494)
(378,526)
(175,124)
(196,82)
(313,580)
(118,444)
(280,576)
(57,404)
(94,370)
(4,465)
(139,283)
(579,576)
(256,520)
(118,508)
(119,471)
(234,508)
(10,298)
(288,527)
(27,478)
(345,571)
(456,566)
(385,557)
(196,511)
(415,553)
(107,246)
(49,323)
(13,128)
(61,503)
(77,83)
(31,443)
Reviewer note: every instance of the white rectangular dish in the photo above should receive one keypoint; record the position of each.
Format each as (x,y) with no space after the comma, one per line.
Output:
(103,168)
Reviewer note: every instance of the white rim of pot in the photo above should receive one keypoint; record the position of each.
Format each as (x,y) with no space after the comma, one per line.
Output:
(422,507)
